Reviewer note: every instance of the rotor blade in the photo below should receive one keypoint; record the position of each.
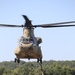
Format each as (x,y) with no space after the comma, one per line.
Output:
(25,17)
(56,23)
(59,26)
(7,25)
(60,23)
(52,26)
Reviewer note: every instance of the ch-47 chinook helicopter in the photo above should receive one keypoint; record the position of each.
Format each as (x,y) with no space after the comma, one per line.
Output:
(29,44)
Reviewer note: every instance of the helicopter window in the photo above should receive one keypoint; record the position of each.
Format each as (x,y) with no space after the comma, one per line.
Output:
(21,39)
(26,40)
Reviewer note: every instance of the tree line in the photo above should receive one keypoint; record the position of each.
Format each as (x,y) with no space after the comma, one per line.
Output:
(33,68)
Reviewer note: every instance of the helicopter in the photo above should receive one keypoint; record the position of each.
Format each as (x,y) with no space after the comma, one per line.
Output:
(28,44)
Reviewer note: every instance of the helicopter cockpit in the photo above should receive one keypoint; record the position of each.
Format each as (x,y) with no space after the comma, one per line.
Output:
(26,40)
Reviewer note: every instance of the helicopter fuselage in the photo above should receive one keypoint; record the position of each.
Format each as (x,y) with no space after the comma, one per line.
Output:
(28,45)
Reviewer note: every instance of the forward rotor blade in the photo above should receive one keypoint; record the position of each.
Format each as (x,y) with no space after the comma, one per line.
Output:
(52,26)
(7,25)
(61,24)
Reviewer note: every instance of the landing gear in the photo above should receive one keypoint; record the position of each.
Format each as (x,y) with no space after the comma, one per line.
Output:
(17,60)
(39,60)
(28,58)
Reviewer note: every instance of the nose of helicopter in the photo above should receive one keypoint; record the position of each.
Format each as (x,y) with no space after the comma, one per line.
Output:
(26,46)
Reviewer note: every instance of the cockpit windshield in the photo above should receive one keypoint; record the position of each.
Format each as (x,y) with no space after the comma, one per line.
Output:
(26,40)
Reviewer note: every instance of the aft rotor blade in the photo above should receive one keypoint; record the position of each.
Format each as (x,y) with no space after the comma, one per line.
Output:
(25,17)
(7,25)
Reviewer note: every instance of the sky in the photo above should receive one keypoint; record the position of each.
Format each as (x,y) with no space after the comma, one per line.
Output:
(58,43)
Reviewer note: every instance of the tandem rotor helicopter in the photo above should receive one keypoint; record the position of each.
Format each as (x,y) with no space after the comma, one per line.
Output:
(28,47)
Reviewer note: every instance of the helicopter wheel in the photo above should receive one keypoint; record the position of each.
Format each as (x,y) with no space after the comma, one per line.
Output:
(28,58)
(39,60)
(17,60)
